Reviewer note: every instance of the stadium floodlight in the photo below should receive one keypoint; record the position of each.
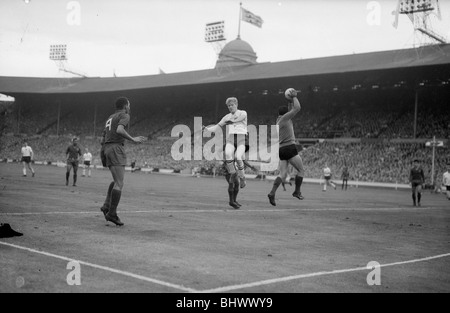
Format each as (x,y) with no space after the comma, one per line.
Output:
(58,52)
(215,31)
(420,13)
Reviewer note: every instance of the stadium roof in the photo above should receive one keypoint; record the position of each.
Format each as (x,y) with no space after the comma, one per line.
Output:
(422,57)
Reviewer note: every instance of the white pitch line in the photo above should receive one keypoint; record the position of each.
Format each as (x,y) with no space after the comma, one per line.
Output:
(218,211)
(294,277)
(105,268)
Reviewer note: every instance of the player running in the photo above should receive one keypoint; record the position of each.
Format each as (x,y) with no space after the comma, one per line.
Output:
(87,159)
(72,153)
(288,152)
(327,178)
(417,179)
(114,157)
(236,134)
(27,157)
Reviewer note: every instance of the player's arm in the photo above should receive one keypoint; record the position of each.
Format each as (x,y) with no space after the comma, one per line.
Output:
(224,121)
(122,132)
(242,116)
(31,154)
(295,107)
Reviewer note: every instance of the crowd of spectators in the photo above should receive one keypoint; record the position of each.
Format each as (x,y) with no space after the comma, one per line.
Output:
(380,161)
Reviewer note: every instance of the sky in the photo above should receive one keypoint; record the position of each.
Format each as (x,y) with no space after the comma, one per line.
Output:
(143,37)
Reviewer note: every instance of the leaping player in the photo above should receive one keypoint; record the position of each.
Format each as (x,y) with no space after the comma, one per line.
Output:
(236,132)
(288,150)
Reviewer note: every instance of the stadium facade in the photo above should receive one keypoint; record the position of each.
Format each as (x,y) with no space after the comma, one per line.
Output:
(398,74)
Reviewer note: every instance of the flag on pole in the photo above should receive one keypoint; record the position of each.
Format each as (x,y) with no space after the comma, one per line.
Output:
(251,18)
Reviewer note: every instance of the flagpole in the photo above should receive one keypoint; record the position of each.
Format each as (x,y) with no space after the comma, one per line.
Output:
(240,17)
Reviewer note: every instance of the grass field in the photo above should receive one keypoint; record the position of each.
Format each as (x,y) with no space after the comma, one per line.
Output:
(180,235)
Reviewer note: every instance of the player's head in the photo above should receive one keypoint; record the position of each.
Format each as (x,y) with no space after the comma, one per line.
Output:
(75,141)
(282,110)
(232,104)
(416,162)
(123,103)
(86,149)
(25,144)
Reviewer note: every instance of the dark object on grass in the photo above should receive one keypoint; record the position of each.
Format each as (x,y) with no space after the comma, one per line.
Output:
(6,231)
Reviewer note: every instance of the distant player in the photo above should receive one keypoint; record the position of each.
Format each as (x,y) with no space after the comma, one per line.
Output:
(73,152)
(114,157)
(417,179)
(446,180)
(344,177)
(327,178)
(236,137)
(87,159)
(27,157)
(288,152)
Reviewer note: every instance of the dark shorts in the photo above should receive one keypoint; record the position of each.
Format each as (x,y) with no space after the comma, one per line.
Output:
(115,154)
(26,159)
(238,140)
(72,163)
(415,184)
(87,163)
(288,152)
(327,177)
(448,188)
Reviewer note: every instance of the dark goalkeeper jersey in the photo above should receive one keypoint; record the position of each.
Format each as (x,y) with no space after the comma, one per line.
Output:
(118,118)
(73,152)
(417,175)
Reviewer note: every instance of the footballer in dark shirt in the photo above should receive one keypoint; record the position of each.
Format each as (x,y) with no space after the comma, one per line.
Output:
(417,179)
(72,153)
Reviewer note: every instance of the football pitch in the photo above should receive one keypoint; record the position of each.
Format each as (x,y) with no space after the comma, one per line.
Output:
(180,236)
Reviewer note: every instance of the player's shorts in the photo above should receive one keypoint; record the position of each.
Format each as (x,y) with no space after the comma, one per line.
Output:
(448,188)
(26,159)
(288,152)
(238,140)
(87,163)
(72,163)
(416,183)
(327,178)
(115,154)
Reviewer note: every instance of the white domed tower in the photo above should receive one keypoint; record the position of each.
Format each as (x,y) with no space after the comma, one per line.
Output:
(236,53)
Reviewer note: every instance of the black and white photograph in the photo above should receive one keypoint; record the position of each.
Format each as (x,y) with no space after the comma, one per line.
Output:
(224,153)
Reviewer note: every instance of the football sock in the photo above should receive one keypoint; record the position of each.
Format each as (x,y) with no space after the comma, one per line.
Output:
(74,178)
(107,203)
(276,184)
(24,172)
(67,176)
(414,198)
(240,168)
(419,196)
(298,183)
(115,199)
(235,191)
